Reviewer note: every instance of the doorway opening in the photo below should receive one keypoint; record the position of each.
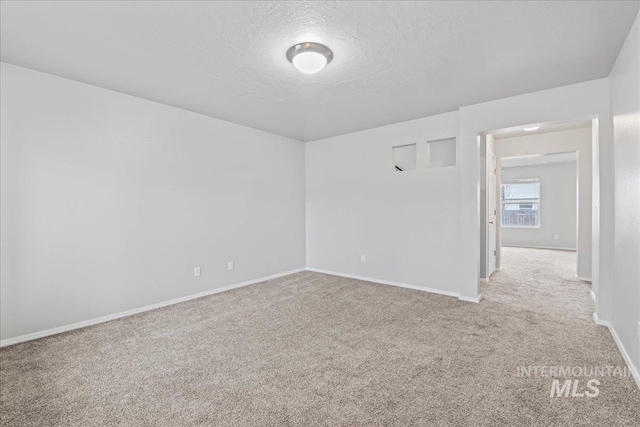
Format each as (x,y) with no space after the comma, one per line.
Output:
(537,204)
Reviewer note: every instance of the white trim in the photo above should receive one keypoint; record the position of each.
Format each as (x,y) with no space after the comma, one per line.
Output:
(584,279)
(632,368)
(401,285)
(593,296)
(85,323)
(486,279)
(600,322)
(539,247)
(386,282)
(471,299)
(494,270)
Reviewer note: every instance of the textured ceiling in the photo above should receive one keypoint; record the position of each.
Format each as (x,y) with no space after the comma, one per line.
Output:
(393,61)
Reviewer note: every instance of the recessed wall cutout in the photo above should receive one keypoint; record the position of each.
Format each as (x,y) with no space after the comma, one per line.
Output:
(441,153)
(404,158)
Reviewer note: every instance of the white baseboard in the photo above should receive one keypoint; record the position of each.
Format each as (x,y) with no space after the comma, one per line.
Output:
(85,323)
(78,325)
(593,296)
(540,247)
(401,285)
(632,368)
(584,279)
(486,279)
(471,299)
(600,322)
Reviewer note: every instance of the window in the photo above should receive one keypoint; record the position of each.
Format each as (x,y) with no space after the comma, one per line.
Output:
(520,200)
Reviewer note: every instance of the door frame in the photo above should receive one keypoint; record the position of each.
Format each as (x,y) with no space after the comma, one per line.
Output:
(492,219)
(597,178)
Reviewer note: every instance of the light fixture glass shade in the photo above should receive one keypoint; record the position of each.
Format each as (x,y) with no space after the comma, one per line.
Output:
(309,62)
(309,57)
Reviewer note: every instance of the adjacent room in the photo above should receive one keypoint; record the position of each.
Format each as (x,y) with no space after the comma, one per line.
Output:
(539,217)
(540,206)
(523,203)
(319,213)
(544,177)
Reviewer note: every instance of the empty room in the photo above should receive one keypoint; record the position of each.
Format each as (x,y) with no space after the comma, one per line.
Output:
(272,213)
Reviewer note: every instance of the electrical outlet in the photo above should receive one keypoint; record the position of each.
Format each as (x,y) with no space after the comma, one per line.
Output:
(363,258)
(196,272)
(230,265)
(556,237)
(638,330)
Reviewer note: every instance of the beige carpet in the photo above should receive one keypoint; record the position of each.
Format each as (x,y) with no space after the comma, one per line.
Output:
(313,349)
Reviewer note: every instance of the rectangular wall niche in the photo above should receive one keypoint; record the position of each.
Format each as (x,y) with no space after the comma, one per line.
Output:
(404,158)
(441,153)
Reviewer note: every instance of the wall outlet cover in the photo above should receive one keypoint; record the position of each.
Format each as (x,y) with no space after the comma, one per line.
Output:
(230,265)
(196,272)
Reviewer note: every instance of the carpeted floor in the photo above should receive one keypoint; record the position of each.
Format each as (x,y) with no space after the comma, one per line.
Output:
(313,349)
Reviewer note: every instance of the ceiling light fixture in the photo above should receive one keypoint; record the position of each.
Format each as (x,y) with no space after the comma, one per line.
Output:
(531,129)
(309,57)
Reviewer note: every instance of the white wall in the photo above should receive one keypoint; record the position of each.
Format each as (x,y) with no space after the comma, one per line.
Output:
(624,83)
(579,140)
(558,207)
(405,223)
(109,202)
(568,103)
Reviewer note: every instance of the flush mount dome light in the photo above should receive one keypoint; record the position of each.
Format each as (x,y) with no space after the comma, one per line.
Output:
(309,57)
